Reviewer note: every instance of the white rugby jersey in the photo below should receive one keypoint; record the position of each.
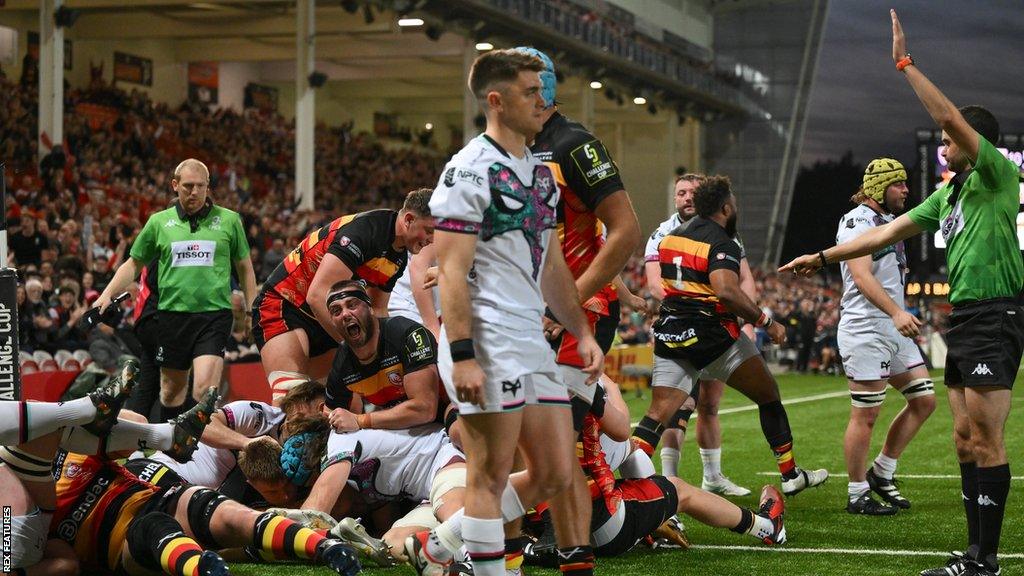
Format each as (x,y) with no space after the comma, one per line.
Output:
(510,204)
(401,303)
(888,265)
(666,228)
(651,248)
(392,464)
(211,466)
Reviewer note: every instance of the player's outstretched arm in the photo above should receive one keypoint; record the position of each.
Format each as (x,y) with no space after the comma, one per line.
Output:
(561,296)
(867,243)
(940,108)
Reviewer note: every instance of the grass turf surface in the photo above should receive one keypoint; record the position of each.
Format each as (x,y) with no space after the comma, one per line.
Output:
(815,519)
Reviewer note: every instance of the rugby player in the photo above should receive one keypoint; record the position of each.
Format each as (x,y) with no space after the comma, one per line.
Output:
(708,393)
(976,212)
(592,196)
(291,324)
(496,205)
(197,244)
(390,363)
(698,331)
(875,334)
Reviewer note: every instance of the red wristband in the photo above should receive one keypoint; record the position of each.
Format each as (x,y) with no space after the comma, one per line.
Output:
(904,62)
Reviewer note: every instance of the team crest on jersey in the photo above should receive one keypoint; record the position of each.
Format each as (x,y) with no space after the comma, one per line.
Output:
(517,206)
(344,241)
(395,378)
(449,177)
(72,470)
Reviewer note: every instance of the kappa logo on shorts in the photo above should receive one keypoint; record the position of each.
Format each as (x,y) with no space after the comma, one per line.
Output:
(508,387)
(982,370)
(885,365)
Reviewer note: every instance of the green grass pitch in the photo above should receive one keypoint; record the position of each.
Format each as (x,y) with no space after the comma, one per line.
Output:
(823,538)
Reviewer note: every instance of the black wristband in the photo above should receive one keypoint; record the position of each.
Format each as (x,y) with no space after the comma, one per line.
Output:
(462,350)
(824,261)
(767,322)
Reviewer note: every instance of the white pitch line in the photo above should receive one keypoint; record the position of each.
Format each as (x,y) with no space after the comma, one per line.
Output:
(854,551)
(799,400)
(902,476)
(752,407)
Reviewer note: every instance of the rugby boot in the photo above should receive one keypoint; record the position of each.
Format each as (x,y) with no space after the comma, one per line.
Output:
(189,426)
(804,479)
(109,398)
(887,489)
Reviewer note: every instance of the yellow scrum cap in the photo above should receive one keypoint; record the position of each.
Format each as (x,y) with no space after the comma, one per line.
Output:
(880,173)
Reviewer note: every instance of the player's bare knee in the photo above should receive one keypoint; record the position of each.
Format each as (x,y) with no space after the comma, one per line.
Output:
(922,406)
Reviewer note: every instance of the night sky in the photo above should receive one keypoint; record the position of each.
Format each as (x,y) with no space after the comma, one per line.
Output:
(861,103)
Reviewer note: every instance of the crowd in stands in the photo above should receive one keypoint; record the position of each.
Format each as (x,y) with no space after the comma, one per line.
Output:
(74,213)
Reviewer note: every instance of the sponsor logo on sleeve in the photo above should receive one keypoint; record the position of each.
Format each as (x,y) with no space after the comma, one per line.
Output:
(593,162)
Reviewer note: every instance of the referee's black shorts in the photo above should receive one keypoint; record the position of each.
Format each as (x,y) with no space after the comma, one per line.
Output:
(184,336)
(985,342)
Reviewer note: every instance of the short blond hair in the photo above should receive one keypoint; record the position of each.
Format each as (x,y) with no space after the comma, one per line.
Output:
(191,163)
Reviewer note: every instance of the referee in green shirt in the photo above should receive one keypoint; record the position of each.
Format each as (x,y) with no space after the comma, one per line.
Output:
(976,213)
(197,243)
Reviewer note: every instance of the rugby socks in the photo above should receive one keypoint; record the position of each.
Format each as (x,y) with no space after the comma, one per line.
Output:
(514,553)
(855,490)
(775,427)
(753,524)
(993,488)
(669,462)
(179,556)
(123,436)
(711,458)
(157,542)
(24,421)
(446,540)
(485,543)
(969,492)
(884,466)
(278,538)
(576,561)
(647,434)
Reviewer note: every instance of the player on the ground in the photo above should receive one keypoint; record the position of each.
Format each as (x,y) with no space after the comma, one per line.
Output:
(198,244)
(592,198)
(291,323)
(708,393)
(875,343)
(976,212)
(698,330)
(26,477)
(388,363)
(498,264)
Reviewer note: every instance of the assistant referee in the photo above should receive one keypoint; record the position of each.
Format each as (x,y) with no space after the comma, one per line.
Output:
(976,213)
(196,243)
